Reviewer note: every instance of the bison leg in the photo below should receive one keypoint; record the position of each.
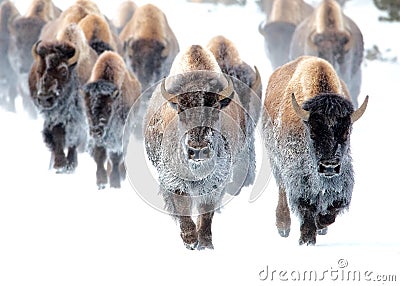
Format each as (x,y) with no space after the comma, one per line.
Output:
(115,176)
(324,220)
(55,140)
(100,156)
(182,205)
(12,95)
(283,220)
(308,228)
(72,159)
(204,228)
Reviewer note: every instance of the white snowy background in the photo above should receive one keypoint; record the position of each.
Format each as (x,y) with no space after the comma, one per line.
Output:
(60,230)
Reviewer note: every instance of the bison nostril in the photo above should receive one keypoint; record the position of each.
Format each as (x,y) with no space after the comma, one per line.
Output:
(329,168)
(199,154)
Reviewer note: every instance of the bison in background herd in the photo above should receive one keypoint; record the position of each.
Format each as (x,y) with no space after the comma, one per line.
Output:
(329,34)
(8,77)
(282,18)
(247,84)
(307,121)
(150,46)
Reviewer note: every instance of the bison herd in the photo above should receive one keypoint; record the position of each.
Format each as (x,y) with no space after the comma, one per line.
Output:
(92,78)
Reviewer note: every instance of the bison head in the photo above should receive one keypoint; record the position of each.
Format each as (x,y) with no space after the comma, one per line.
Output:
(328,119)
(198,108)
(55,70)
(25,32)
(146,57)
(99,97)
(332,45)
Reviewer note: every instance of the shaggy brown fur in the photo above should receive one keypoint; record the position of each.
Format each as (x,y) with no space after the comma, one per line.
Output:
(289,11)
(97,30)
(87,56)
(124,14)
(73,14)
(111,67)
(302,78)
(148,38)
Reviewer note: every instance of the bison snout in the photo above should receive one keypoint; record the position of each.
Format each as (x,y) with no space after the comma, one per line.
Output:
(199,154)
(45,100)
(329,168)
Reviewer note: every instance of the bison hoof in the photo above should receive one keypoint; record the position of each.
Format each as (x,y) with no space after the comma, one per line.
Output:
(322,231)
(191,246)
(205,243)
(115,184)
(190,239)
(284,232)
(101,186)
(60,164)
(307,241)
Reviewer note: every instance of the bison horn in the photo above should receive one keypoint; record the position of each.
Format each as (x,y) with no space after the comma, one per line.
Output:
(168,96)
(257,83)
(303,114)
(72,60)
(34,50)
(227,91)
(360,111)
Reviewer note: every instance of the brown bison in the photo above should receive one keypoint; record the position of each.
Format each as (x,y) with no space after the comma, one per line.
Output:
(307,121)
(247,84)
(109,95)
(26,30)
(331,35)
(195,135)
(8,77)
(282,18)
(150,45)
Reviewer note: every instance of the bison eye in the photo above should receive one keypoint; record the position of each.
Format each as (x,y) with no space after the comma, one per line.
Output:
(62,72)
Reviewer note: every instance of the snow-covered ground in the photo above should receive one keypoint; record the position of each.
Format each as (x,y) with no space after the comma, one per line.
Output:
(60,230)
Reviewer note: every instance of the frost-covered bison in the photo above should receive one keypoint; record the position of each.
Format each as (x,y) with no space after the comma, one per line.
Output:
(329,34)
(109,95)
(195,133)
(307,121)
